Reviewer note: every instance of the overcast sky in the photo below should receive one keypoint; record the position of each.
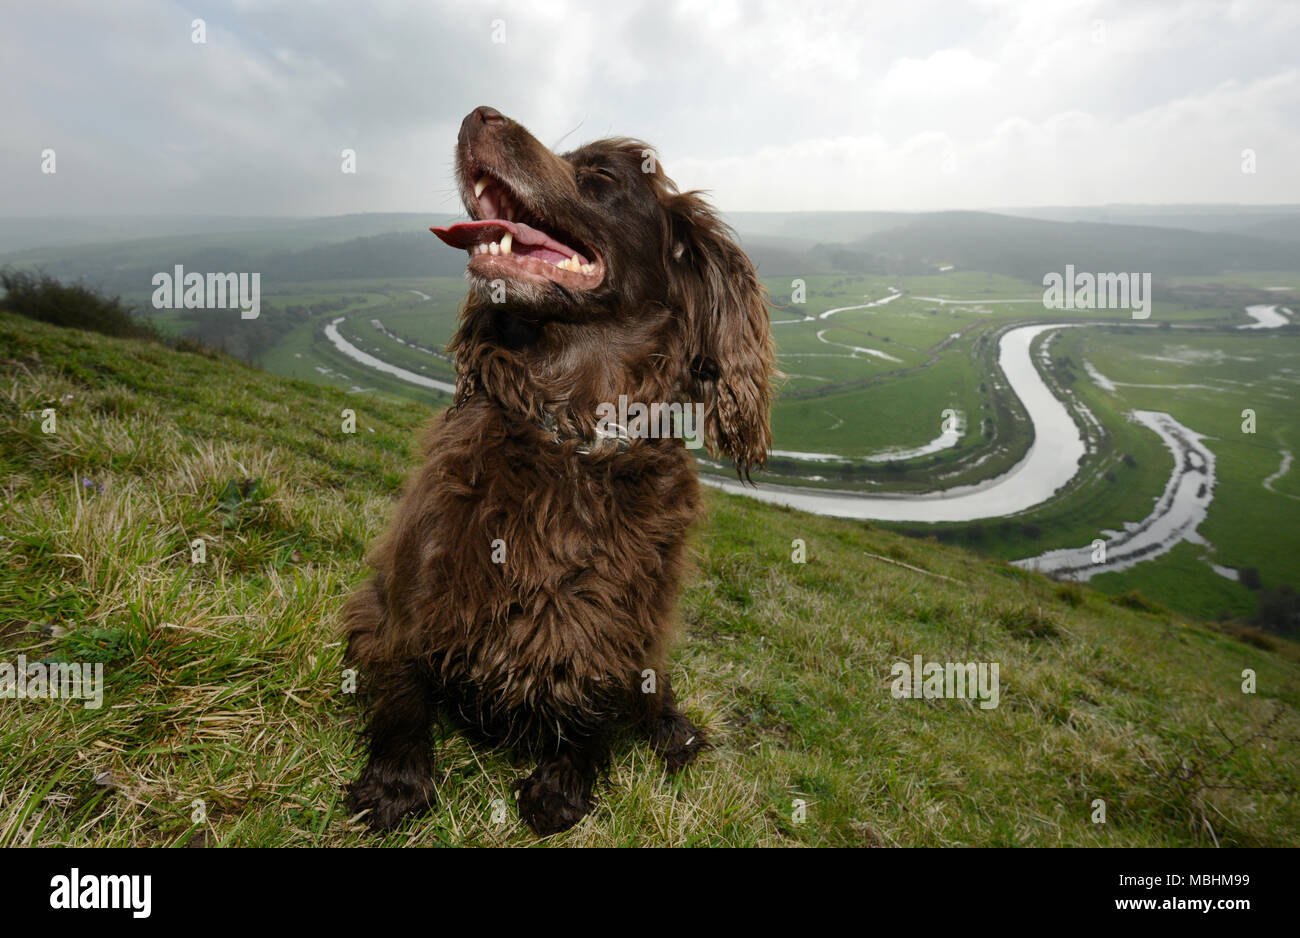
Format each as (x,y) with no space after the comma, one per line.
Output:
(799,105)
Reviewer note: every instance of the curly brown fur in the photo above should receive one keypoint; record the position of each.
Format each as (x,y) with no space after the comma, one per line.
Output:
(525,586)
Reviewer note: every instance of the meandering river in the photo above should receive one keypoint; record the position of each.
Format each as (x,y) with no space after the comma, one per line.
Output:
(1051,462)
(365,358)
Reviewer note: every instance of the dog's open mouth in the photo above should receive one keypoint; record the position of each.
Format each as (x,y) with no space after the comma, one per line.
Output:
(509,240)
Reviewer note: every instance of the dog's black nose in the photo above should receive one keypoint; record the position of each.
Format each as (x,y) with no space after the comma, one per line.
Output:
(481,120)
(486,115)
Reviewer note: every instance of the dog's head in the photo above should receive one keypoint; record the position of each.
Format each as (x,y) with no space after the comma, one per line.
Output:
(600,234)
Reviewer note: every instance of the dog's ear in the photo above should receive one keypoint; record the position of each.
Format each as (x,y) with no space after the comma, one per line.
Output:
(729,339)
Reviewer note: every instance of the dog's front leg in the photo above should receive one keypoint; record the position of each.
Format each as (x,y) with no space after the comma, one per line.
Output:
(558,793)
(677,740)
(398,779)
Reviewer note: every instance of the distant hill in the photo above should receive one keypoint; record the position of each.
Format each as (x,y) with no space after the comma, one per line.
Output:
(814,227)
(19,234)
(1282,228)
(326,248)
(1027,248)
(781,244)
(1238,218)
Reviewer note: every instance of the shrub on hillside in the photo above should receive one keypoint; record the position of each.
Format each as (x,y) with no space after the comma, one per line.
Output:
(1028,622)
(73,306)
(1137,602)
(1071,594)
(1279,610)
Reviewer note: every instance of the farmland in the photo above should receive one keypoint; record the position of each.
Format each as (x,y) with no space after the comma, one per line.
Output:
(866,381)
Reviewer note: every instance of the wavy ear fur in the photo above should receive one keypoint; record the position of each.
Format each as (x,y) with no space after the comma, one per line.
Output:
(729,339)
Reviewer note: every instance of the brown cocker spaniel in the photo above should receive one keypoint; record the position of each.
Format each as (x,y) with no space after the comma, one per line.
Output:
(527,585)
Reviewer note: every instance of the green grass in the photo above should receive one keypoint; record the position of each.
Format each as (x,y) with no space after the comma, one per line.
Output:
(223,679)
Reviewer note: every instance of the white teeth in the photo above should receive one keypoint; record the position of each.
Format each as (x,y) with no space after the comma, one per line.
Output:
(494,248)
(506,241)
(480,186)
(573,265)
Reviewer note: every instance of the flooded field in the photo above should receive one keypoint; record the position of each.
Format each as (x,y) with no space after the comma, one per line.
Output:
(1177,513)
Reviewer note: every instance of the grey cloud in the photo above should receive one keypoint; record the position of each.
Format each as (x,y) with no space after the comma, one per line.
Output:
(773,105)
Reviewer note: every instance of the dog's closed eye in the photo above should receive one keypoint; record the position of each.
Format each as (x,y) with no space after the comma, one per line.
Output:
(597,171)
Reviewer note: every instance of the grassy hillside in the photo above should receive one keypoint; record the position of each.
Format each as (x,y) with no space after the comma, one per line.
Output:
(223,678)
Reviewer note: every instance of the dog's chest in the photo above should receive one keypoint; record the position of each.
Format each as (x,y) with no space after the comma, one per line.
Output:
(512,517)
(542,568)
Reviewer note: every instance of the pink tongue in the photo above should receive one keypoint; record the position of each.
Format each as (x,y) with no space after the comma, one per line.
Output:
(466,234)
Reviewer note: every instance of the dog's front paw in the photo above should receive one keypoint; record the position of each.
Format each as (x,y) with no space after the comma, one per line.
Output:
(678,741)
(550,803)
(391,794)
(683,751)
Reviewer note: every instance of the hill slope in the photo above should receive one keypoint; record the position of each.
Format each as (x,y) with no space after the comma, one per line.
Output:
(223,678)
(1029,247)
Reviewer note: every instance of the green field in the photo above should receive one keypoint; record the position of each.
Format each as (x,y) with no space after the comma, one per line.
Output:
(938,354)
(1248,525)
(1255,279)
